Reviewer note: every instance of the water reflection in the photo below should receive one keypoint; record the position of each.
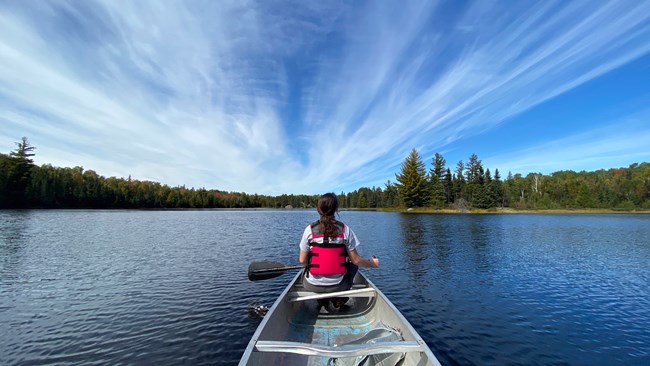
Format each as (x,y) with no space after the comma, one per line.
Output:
(170,287)
(13,232)
(416,242)
(440,233)
(480,233)
(13,224)
(433,243)
(441,250)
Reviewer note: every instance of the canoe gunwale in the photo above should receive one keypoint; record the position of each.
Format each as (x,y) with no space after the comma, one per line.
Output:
(251,345)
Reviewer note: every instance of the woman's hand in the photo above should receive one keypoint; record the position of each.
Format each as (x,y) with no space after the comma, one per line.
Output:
(375,261)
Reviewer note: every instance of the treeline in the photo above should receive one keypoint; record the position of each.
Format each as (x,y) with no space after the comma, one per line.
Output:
(470,185)
(25,185)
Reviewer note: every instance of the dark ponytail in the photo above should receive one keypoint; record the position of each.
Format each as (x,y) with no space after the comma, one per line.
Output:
(327,206)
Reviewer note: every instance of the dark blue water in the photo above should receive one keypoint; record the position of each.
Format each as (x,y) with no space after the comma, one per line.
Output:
(170,287)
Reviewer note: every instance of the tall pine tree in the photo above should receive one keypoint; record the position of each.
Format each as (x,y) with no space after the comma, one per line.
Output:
(447,183)
(459,181)
(412,187)
(15,175)
(438,197)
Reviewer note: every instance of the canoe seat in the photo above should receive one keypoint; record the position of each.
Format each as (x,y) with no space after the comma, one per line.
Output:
(352,350)
(307,295)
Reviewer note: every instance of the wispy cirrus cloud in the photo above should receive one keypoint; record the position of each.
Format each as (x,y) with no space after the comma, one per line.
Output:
(496,63)
(292,97)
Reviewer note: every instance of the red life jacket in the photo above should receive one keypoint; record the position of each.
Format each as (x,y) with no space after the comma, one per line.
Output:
(327,256)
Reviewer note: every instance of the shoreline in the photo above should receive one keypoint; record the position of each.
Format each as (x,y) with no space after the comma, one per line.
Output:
(420,210)
(504,211)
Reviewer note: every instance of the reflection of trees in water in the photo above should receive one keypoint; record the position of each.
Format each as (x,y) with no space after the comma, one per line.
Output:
(442,234)
(13,225)
(436,243)
(479,235)
(416,239)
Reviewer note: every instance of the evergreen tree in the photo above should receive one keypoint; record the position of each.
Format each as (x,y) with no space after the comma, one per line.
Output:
(473,169)
(438,166)
(15,175)
(378,197)
(447,184)
(490,190)
(412,186)
(7,171)
(437,190)
(343,200)
(390,195)
(459,181)
(474,190)
(498,189)
(479,195)
(24,151)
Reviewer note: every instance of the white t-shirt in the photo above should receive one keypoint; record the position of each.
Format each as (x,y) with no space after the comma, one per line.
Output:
(320,280)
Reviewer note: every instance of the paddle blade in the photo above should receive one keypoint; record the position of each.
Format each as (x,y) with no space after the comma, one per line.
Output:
(265,270)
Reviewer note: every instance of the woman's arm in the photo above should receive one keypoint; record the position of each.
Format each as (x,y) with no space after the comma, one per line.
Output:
(358,260)
(303,257)
(304,245)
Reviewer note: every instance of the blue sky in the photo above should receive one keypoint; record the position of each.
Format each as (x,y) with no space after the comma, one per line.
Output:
(307,97)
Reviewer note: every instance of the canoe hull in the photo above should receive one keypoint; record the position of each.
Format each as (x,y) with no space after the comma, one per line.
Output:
(298,330)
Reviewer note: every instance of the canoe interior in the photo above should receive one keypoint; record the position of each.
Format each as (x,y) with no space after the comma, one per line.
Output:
(309,322)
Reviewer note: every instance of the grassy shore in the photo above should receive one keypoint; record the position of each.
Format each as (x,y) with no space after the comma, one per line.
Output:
(506,210)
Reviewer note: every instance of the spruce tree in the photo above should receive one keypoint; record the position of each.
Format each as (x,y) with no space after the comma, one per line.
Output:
(438,166)
(390,195)
(490,190)
(447,183)
(412,187)
(474,188)
(438,197)
(479,192)
(459,181)
(437,192)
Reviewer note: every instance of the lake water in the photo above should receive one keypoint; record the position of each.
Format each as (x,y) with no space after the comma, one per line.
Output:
(170,287)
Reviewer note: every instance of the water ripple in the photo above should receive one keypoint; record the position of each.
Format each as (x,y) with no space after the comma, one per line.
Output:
(170,287)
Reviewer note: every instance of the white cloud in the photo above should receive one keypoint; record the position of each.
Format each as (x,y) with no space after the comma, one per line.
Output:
(506,63)
(293,97)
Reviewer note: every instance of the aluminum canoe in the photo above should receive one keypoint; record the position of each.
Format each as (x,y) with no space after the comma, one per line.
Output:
(298,330)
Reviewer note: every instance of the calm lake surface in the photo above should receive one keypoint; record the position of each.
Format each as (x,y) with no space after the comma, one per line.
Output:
(170,287)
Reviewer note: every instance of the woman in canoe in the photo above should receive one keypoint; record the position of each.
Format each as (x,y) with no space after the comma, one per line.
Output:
(329,250)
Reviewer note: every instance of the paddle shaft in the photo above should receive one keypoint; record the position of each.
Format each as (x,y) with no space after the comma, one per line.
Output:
(267,269)
(277,269)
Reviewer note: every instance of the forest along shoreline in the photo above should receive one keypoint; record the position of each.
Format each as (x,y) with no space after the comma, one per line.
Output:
(470,188)
(510,211)
(507,211)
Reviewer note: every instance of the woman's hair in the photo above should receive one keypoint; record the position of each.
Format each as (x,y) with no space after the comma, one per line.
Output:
(327,206)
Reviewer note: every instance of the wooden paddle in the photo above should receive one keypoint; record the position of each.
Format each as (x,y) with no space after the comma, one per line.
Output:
(265,270)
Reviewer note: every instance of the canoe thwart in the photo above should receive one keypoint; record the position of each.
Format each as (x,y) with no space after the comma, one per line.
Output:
(353,350)
(297,294)
(306,295)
